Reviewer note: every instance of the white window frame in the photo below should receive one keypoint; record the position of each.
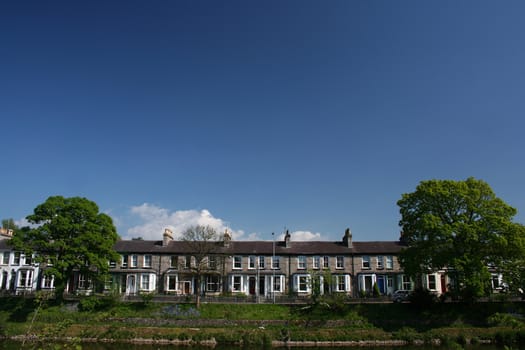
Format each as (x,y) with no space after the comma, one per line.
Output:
(16,259)
(144,281)
(342,283)
(5,258)
(276,262)
(175,279)
(134,261)
(301,262)
(406,282)
(48,282)
(213,283)
(380,262)
(25,279)
(389,262)
(125,261)
(234,283)
(316,262)
(262,262)
(237,262)
(365,262)
(302,280)
(147,261)
(212,262)
(432,282)
(280,284)
(83,281)
(326,262)
(252,261)
(339,262)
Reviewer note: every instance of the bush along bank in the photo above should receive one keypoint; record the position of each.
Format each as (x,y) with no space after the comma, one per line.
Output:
(323,324)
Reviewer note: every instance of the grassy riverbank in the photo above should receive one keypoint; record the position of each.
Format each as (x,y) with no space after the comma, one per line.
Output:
(452,324)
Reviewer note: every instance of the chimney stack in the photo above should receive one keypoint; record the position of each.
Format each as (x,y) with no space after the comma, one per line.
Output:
(287,239)
(167,237)
(227,238)
(347,238)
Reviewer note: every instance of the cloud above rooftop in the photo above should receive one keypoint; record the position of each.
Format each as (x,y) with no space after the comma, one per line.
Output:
(153,219)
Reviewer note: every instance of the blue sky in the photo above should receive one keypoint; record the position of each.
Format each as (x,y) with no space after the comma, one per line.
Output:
(258,115)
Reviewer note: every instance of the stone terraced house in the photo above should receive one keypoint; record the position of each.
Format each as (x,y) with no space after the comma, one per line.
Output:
(260,269)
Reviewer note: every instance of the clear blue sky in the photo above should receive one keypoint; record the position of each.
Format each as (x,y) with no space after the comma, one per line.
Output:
(258,115)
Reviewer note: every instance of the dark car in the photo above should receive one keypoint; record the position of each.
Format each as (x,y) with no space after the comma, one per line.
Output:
(401,295)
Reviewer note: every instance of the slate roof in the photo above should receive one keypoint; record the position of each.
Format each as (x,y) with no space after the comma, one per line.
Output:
(266,247)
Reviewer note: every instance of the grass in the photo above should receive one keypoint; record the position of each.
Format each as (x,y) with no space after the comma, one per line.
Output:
(261,323)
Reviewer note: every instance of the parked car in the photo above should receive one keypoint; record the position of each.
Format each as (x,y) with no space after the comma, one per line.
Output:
(401,295)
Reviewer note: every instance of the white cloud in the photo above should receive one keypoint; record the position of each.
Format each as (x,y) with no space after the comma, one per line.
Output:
(302,236)
(155,219)
(23,223)
(305,236)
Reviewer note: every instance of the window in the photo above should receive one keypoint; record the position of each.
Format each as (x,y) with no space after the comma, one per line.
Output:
(112,264)
(302,283)
(134,260)
(16,260)
(212,262)
(276,263)
(28,259)
(366,262)
(47,281)
(261,262)
(432,282)
(25,280)
(83,282)
(213,283)
(124,261)
(187,262)
(380,264)
(340,283)
(301,262)
(339,262)
(316,262)
(390,282)
(277,285)
(174,261)
(407,285)
(5,258)
(326,262)
(144,282)
(171,283)
(237,262)
(147,260)
(389,262)
(251,262)
(236,283)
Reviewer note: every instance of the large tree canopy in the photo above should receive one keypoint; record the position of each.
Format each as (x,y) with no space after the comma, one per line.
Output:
(461,226)
(71,235)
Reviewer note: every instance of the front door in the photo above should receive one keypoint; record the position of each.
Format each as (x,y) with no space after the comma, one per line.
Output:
(261,285)
(252,285)
(131,285)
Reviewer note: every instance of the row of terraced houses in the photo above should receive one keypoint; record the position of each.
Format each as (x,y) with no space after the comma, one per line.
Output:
(265,269)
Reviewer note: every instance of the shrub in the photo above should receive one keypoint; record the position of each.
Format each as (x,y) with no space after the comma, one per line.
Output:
(422,298)
(96,303)
(504,320)
(376,292)
(407,334)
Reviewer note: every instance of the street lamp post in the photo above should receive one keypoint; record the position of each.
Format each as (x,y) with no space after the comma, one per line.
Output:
(273,267)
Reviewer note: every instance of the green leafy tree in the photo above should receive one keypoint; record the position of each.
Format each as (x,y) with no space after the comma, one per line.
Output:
(70,235)
(203,245)
(461,226)
(9,224)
